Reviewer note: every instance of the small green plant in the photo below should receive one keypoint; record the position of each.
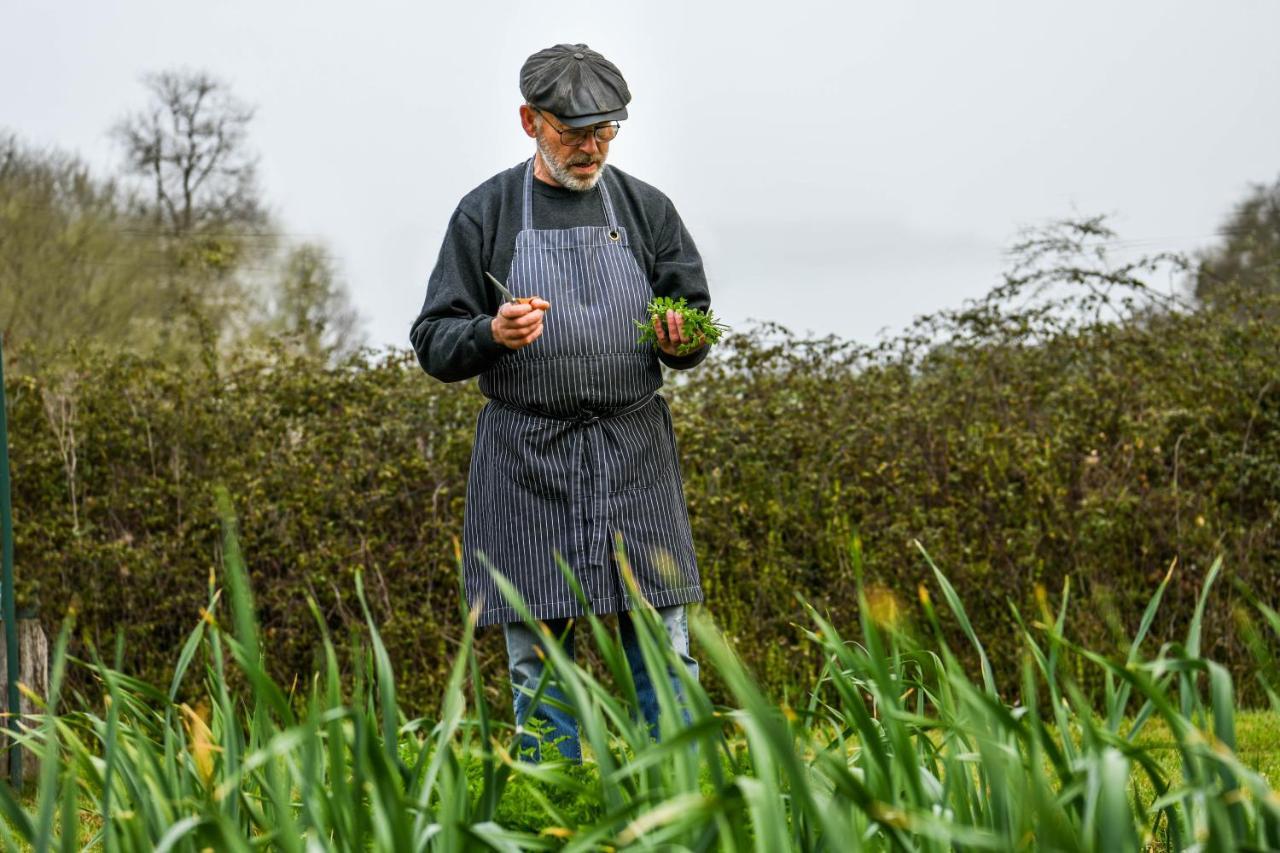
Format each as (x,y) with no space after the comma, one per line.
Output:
(701,326)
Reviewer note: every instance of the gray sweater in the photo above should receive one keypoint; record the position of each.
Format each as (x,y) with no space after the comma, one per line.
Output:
(452,334)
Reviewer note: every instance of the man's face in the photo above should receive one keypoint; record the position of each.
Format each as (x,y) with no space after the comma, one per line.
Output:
(576,167)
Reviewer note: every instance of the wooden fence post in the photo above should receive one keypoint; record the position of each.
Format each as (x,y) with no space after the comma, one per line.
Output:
(33,648)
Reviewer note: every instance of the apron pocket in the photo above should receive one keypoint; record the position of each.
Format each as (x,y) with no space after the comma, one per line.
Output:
(634,451)
(535,458)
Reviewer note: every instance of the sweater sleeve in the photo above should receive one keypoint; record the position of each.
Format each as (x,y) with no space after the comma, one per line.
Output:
(452,335)
(678,272)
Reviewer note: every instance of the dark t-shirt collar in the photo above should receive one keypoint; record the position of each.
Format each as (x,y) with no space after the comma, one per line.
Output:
(548,191)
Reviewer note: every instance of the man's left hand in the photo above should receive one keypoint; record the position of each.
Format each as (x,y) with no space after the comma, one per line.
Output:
(671,334)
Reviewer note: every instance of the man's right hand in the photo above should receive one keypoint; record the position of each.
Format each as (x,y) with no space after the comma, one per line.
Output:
(519,324)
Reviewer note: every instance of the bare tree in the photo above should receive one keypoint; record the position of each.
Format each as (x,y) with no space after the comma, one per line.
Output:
(189,144)
(189,149)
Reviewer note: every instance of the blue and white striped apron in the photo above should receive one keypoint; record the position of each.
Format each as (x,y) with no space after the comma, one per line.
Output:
(575,444)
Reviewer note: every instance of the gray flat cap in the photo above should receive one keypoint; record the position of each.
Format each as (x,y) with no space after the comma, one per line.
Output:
(575,84)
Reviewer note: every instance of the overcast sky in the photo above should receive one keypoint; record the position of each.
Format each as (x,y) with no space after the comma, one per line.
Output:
(843,167)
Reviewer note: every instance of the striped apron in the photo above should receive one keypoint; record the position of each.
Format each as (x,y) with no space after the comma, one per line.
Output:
(574,447)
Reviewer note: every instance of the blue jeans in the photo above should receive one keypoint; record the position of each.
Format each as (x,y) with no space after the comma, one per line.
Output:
(526,670)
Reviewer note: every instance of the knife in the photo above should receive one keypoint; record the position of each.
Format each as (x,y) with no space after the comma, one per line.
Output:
(506,293)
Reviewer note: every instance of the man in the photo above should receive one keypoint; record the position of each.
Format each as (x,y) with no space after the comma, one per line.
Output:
(574,445)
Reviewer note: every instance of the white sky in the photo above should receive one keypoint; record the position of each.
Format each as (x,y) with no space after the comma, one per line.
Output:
(922,135)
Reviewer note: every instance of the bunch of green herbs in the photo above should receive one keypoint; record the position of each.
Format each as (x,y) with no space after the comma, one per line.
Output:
(700,327)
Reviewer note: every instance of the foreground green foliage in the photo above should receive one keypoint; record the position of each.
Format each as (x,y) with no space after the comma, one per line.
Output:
(895,747)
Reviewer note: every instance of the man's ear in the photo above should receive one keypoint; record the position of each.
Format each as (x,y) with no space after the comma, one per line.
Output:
(528,120)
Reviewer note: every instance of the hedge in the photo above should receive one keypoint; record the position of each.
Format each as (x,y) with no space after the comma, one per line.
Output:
(1100,454)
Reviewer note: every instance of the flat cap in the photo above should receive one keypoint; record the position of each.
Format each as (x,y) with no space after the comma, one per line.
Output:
(575,84)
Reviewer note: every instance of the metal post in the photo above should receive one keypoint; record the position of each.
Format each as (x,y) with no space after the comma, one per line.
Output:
(8,611)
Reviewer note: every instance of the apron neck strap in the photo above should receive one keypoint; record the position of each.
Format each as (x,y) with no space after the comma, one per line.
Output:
(527,216)
(605,200)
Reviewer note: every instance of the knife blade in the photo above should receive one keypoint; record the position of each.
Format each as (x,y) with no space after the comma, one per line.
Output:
(506,293)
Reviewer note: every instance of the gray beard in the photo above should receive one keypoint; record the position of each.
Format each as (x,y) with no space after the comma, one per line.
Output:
(561,173)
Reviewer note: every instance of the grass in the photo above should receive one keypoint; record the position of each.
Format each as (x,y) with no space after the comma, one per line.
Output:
(531,805)
(896,747)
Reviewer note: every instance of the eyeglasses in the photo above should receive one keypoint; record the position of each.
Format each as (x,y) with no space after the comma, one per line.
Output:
(572,137)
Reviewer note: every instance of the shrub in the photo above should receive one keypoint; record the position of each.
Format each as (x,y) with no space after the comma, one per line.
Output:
(1022,442)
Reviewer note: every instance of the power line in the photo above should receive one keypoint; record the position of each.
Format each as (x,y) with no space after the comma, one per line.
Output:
(267,234)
